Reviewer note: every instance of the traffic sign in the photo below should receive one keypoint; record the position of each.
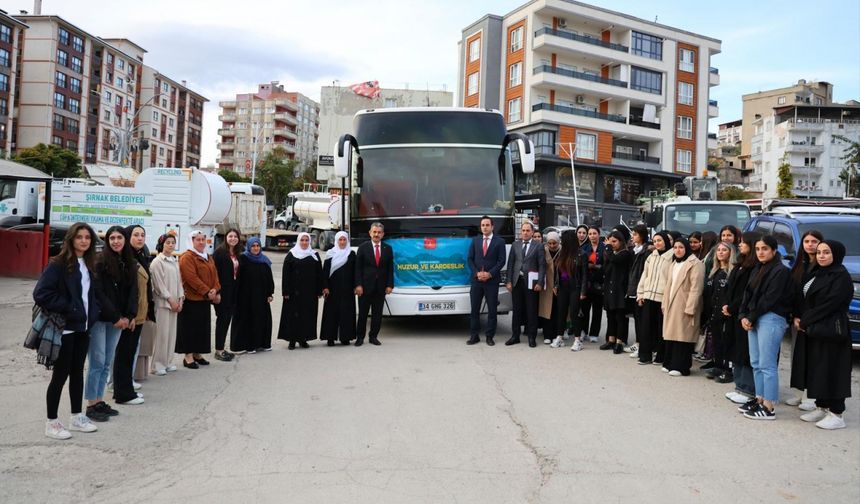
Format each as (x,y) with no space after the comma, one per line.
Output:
(248,164)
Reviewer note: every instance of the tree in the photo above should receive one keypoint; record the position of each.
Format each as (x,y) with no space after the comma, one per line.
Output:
(275,175)
(231,176)
(308,176)
(51,159)
(785,181)
(733,193)
(848,176)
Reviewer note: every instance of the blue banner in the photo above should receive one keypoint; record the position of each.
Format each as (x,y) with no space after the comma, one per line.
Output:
(430,262)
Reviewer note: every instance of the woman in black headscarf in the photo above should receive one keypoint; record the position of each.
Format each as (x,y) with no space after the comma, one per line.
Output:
(255,290)
(825,369)
(682,307)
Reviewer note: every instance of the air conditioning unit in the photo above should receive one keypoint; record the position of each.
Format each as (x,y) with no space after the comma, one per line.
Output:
(580,99)
(562,23)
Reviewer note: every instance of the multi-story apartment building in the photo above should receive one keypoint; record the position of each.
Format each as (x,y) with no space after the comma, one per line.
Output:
(803,137)
(629,97)
(84,93)
(10,36)
(730,133)
(760,104)
(254,124)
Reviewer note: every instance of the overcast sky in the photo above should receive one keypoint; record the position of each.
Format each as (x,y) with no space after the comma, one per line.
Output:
(224,47)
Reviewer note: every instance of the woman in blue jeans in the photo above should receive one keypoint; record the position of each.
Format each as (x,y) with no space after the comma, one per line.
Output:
(764,315)
(116,270)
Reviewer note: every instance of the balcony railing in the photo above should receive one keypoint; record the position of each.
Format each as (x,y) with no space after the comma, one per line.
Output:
(714,70)
(580,112)
(581,38)
(635,157)
(712,103)
(635,121)
(578,75)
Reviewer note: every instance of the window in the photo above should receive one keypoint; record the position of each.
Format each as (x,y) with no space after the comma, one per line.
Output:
(819,101)
(516,75)
(784,237)
(62,58)
(685,93)
(74,126)
(390,103)
(4,58)
(473,84)
(63,36)
(4,82)
(58,122)
(4,107)
(77,44)
(648,46)
(59,100)
(514,107)
(474,50)
(75,85)
(74,106)
(780,100)
(108,96)
(170,139)
(5,34)
(109,59)
(685,161)
(107,115)
(646,80)
(586,146)
(161,151)
(809,161)
(164,102)
(685,127)
(164,87)
(154,115)
(516,39)
(120,64)
(120,82)
(77,64)
(155,132)
(57,140)
(60,80)
(170,122)
(686,61)
(118,100)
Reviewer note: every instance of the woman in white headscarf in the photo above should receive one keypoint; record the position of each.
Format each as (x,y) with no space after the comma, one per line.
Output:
(338,320)
(202,289)
(301,287)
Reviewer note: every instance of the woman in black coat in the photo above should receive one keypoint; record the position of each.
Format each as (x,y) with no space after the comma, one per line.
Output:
(301,287)
(252,317)
(742,373)
(825,369)
(641,250)
(338,320)
(616,271)
(801,272)
(227,265)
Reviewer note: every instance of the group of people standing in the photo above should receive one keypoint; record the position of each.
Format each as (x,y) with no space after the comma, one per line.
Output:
(725,299)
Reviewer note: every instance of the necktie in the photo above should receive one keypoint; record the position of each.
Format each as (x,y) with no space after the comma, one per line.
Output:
(376,253)
(525,248)
(486,244)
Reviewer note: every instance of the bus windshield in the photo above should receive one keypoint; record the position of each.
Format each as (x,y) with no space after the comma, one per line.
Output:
(410,180)
(704,217)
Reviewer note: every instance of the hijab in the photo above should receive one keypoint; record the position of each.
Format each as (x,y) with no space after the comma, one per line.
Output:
(838,251)
(667,241)
(299,253)
(687,250)
(190,244)
(338,255)
(258,258)
(141,254)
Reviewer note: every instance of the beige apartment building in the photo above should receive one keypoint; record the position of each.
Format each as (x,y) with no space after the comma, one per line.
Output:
(761,104)
(254,124)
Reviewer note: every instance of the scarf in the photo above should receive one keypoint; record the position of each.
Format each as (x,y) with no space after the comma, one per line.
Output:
(687,250)
(338,255)
(258,258)
(190,244)
(299,253)
(838,251)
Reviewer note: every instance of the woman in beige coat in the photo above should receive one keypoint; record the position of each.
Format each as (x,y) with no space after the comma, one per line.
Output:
(168,295)
(546,300)
(682,308)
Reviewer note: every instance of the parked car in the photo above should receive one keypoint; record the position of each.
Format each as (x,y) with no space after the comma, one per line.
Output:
(787,225)
(57,233)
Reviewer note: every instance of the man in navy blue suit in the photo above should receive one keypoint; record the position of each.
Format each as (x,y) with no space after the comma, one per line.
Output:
(486,260)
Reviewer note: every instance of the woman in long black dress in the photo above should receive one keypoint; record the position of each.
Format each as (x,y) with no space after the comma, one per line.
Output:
(338,321)
(252,319)
(301,286)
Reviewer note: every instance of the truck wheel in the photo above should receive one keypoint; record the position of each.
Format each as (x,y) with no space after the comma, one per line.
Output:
(315,239)
(280,225)
(329,240)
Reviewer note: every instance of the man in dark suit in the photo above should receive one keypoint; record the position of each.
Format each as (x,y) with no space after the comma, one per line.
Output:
(374,279)
(486,260)
(525,259)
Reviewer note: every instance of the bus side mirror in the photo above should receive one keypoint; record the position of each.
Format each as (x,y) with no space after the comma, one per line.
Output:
(343,155)
(527,155)
(651,219)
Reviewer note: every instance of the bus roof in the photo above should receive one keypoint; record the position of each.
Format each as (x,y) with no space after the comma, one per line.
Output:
(426,109)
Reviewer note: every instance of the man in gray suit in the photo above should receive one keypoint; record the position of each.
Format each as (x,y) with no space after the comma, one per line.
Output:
(525,259)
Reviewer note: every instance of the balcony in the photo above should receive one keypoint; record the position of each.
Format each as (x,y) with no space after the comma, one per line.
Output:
(575,111)
(645,124)
(810,191)
(806,124)
(287,104)
(635,161)
(578,75)
(803,147)
(227,104)
(713,76)
(286,145)
(227,132)
(285,133)
(712,141)
(286,117)
(228,160)
(713,108)
(804,171)
(227,117)
(581,38)
(226,146)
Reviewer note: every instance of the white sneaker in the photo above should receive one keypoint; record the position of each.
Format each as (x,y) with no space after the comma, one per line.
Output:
(171,368)
(82,423)
(794,401)
(664,369)
(136,385)
(593,339)
(634,355)
(815,415)
(557,342)
(137,400)
(565,336)
(547,341)
(737,397)
(577,346)
(831,422)
(674,372)
(160,372)
(807,405)
(631,349)
(54,429)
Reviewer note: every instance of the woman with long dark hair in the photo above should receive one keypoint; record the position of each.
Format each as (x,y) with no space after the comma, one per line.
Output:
(825,368)
(617,259)
(639,237)
(252,320)
(129,340)
(766,306)
(801,272)
(571,287)
(66,288)
(201,286)
(582,235)
(716,296)
(227,263)
(682,308)
(592,306)
(741,373)
(695,241)
(649,296)
(338,319)
(730,234)
(116,270)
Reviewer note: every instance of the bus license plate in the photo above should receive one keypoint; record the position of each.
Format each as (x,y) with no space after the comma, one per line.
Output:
(436,306)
